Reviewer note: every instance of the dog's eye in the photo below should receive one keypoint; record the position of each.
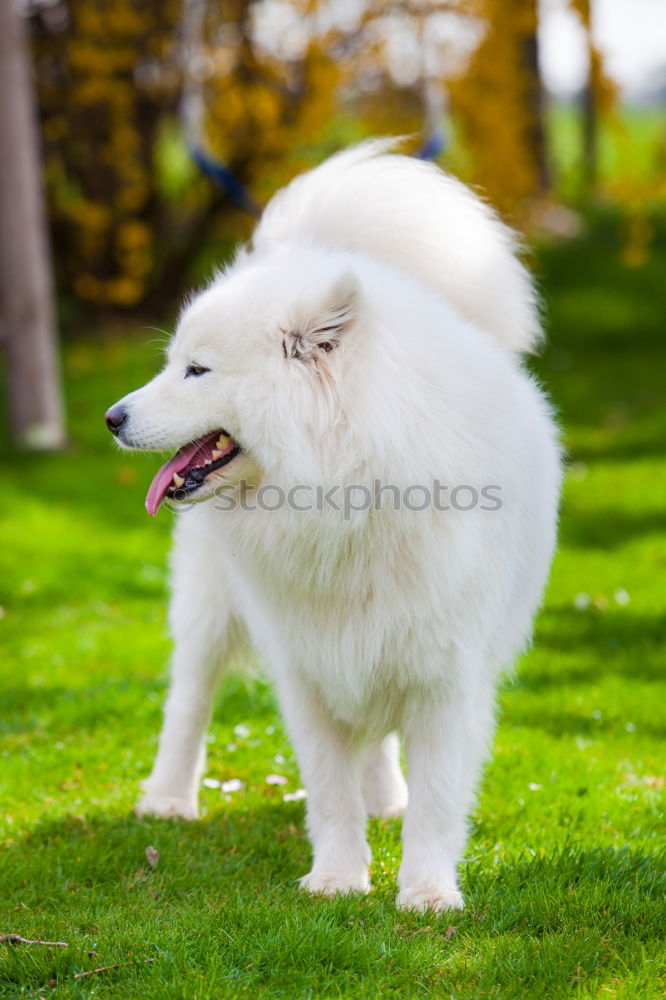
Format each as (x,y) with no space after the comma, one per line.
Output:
(195,370)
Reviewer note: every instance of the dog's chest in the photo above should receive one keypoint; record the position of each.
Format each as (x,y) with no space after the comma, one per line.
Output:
(344,624)
(359,659)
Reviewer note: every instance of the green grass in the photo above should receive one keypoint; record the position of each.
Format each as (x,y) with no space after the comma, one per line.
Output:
(565,872)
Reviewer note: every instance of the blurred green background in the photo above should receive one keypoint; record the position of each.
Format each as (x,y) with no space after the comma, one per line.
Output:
(565,876)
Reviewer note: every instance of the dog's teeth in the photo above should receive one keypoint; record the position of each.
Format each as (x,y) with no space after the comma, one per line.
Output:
(209,461)
(222,442)
(177,480)
(216,455)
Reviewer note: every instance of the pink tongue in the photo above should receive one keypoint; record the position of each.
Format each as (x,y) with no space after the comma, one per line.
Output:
(162,481)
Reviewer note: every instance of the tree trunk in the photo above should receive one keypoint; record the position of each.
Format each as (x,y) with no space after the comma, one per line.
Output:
(589,139)
(26,293)
(536,100)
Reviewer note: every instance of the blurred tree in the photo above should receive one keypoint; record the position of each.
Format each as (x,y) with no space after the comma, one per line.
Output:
(499,104)
(102,96)
(266,96)
(110,77)
(599,97)
(259,84)
(26,294)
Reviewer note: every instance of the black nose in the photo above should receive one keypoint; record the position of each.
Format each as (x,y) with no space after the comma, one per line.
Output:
(115,418)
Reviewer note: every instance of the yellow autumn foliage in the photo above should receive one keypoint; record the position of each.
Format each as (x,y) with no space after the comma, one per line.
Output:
(497,108)
(110,80)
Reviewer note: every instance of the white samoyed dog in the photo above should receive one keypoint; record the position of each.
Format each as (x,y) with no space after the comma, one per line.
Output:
(380,477)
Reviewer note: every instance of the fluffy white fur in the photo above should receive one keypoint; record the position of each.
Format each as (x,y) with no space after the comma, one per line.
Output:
(369,333)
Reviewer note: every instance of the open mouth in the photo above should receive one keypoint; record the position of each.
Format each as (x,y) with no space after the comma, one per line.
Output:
(184,474)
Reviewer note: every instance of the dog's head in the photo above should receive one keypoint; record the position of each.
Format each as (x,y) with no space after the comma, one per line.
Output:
(253,384)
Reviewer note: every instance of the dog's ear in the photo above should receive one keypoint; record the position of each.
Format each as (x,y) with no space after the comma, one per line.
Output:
(322,330)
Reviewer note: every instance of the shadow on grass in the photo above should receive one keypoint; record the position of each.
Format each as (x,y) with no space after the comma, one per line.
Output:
(588,648)
(97,705)
(239,849)
(222,902)
(602,642)
(27,707)
(624,449)
(609,529)
(258,854)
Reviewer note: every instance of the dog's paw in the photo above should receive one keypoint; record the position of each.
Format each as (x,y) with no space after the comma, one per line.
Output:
(328,883)
(166,806)
(430,897)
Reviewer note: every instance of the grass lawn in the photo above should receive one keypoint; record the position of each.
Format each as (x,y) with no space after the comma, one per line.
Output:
(565,872)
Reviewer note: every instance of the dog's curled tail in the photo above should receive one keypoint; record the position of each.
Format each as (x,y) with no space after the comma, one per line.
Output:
(413,216)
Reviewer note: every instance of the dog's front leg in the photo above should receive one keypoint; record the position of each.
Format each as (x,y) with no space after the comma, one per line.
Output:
(173,786)
(330,762)
(446,738)
(206,637)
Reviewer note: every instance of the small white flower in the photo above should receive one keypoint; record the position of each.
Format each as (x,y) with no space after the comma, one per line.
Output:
(622,597)
(596,715)
(270,730)
(230,747)
(280,758)
(630,727)
(275,779)
(234,785)
(211,783)
(533,787)
(241,731)
(296,796)
(582,602)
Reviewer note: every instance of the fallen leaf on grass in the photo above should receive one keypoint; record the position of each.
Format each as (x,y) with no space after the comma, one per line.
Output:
(152,856)
(289,831)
